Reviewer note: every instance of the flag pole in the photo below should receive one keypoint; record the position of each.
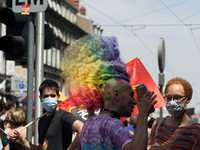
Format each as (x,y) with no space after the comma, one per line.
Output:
(32,122)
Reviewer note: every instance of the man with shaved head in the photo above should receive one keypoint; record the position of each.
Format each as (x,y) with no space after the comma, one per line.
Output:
(106,131)
(98,78)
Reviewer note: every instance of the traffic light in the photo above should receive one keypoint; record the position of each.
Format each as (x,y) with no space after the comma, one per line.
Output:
(49,39)
(14,44)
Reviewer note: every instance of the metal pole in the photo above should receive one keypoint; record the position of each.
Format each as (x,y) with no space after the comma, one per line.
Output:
(30,60)
(161,109)
(39,68)
(161,65)
(161,78)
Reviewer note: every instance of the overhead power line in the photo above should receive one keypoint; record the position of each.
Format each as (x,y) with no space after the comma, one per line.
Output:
(129,30)
(191,16)
(146,24)
(153,11)
(183,24)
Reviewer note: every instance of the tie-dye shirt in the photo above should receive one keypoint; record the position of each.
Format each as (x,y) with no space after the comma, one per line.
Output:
(102,132)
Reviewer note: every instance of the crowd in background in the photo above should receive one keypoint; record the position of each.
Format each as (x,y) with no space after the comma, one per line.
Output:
(18,120)
(12,117)
(114,95)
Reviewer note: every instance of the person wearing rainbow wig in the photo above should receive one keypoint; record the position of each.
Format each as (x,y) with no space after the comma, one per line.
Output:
(96,78)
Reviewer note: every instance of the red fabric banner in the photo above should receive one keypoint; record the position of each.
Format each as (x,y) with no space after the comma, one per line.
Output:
(65,105)
(139,75)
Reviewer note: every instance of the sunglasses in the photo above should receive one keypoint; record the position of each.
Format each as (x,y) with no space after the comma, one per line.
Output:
(51,95)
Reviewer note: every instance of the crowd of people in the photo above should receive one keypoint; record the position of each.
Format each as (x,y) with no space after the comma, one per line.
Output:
(114,95)
(12,117)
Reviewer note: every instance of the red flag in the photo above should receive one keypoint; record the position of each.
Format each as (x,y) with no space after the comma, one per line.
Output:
(139,75)
(66,104)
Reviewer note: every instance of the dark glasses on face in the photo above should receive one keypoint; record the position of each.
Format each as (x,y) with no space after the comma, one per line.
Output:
(51,95)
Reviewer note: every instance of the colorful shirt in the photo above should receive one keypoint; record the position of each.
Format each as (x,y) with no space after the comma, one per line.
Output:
(102,132)
(178,138)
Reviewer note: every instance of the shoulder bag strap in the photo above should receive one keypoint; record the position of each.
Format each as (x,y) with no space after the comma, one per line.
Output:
(158,125)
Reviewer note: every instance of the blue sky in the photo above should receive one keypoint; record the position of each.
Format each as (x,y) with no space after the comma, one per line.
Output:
(171,21)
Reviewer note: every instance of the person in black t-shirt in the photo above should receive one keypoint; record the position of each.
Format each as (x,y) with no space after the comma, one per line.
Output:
(55,129)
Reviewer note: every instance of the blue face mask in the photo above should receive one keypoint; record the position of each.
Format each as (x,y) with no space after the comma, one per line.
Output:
(49,103)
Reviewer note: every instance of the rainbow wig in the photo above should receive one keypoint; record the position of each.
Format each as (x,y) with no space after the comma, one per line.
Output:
(87,64)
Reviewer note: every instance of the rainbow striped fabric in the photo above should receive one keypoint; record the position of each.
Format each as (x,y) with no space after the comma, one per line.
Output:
(176,138)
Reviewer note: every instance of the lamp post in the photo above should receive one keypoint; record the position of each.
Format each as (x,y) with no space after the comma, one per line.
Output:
(161,65)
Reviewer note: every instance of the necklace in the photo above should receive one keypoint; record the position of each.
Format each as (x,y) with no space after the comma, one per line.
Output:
(113,114)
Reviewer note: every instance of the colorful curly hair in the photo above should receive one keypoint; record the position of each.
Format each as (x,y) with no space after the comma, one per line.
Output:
(87,64)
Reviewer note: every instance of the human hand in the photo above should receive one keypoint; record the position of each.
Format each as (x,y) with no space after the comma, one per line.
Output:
(147,103)
(15,136)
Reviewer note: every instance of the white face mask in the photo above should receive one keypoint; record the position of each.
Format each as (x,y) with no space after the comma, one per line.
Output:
(175,108)
(49,103)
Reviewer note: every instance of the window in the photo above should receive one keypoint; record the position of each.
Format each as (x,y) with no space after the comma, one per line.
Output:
(24,72)
(18,71)
(45,57)
(60,33)
(2,62)
(58,8)
(49,57)
(50,4)
(10,68)
(72,39)
(3,29)
(64,36)
(58,59)
(71,16)
(55,30)
(68,14)
(75,18)
(63,11)
(53,57)
(68,38)
(54,6)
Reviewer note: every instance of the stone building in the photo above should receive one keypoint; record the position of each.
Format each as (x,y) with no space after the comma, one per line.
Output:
(69,22)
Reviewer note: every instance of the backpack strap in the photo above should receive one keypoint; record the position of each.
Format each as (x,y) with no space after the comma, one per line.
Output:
(158,125)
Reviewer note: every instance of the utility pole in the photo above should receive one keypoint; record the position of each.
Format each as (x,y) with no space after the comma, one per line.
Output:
(39,67)
(161,65)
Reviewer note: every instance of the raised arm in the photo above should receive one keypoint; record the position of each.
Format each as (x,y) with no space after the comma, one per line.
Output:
(140,138)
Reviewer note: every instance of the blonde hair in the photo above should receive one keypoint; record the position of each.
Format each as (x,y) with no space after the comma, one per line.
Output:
(16,116)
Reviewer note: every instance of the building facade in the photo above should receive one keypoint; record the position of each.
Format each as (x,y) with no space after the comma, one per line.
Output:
(69,23)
